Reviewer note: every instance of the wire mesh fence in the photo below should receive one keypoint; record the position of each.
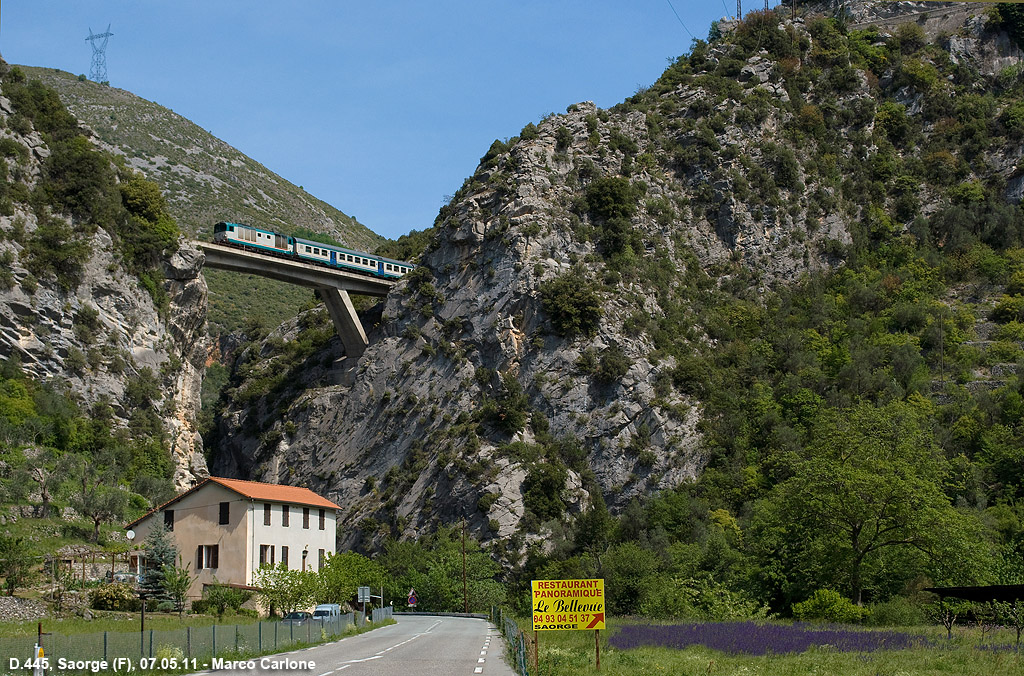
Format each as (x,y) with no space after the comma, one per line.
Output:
(188,642)
(515,639)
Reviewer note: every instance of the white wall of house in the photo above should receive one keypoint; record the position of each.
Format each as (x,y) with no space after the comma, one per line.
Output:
(295,538)
(230,553)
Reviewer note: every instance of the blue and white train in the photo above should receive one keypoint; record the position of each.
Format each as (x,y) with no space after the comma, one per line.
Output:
(257,239)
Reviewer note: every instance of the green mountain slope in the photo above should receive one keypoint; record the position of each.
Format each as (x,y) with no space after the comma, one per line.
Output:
(205,180)
(768,312)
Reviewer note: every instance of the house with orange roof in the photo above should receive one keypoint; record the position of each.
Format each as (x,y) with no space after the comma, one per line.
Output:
(226,529)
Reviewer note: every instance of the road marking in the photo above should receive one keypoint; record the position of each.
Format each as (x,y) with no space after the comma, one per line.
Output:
(481,661)
(344,667)
(478,670)
(365,659)
(327,672)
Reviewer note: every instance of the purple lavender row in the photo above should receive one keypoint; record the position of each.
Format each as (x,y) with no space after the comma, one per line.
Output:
(749,638)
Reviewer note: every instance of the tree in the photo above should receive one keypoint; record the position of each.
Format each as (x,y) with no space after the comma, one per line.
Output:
(870,484)
(342,574)
(433,566)
(15,563)
(572,303)
(95,494)
(161,554)
(287,589)
(176,582)
(47,471)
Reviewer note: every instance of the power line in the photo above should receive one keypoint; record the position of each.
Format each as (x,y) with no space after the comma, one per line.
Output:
(680,20)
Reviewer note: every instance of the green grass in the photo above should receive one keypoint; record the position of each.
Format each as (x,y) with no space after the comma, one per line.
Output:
(115,621)
(50,534)
(571,653)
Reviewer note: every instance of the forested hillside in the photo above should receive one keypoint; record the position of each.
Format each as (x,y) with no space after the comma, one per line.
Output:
(752,333)
(862,427)
(102,332)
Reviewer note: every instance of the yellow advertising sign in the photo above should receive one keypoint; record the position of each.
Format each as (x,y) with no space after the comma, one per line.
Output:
(568,604)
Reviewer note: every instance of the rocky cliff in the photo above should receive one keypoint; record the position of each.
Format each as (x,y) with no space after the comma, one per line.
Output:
(549,346)
(73,315)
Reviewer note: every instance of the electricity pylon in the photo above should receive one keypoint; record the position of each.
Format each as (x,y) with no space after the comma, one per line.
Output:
(98,71)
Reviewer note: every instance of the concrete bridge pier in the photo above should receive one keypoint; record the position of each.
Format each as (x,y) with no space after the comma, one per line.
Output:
(346,321)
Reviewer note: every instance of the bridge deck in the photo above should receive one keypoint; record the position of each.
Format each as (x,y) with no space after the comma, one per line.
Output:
(292,271)
(334,285)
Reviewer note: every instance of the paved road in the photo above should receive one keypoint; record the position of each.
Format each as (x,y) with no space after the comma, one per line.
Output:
(417,645)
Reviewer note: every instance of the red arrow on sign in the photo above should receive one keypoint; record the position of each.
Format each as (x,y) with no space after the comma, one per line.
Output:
(598,617)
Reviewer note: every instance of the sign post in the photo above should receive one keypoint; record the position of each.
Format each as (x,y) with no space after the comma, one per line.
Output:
(412,598)
(568,604)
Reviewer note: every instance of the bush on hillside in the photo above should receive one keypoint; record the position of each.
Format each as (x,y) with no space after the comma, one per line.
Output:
(573,304)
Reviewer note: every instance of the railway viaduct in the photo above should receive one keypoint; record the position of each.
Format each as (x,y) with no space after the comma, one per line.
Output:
(333,284)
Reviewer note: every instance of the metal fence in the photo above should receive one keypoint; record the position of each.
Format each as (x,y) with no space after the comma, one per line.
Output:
(515,639)
(188,642)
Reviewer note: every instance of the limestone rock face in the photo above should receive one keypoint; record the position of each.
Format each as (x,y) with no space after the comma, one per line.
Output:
(94,337)
(415,432)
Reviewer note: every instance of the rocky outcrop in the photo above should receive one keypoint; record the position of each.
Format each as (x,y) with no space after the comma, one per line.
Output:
(96,336)
(723,186)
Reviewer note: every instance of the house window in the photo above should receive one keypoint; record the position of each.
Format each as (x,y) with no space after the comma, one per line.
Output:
(169,519)
(207,556)
(323,519)
(284,556)
(305,517)
(225,513)
(266,513)
(266,555)
(284,515)
(320,559)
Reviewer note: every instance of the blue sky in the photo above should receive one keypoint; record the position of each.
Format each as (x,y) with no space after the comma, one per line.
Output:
(378,108)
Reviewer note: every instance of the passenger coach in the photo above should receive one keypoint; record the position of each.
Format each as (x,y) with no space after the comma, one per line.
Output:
(248,237)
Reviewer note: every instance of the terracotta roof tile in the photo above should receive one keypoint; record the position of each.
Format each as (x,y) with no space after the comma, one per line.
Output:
(275,492)
(255,490)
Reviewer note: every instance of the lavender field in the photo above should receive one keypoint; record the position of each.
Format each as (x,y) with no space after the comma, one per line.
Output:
(750,638)
(777,649)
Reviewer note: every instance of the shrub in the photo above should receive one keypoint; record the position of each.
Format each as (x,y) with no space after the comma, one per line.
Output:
(897,612)
(830,606)
(563,139)
(1013,330)
(486,500)
(613,365)
(1008,309)
(542,490)
(509,411)
(610,197)
(114,596)
(221,598)
(573,304)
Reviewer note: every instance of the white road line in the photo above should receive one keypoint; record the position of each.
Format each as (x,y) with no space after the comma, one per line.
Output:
(478,670)
(327,672)
(365,659)
(481,661)
(344,667)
